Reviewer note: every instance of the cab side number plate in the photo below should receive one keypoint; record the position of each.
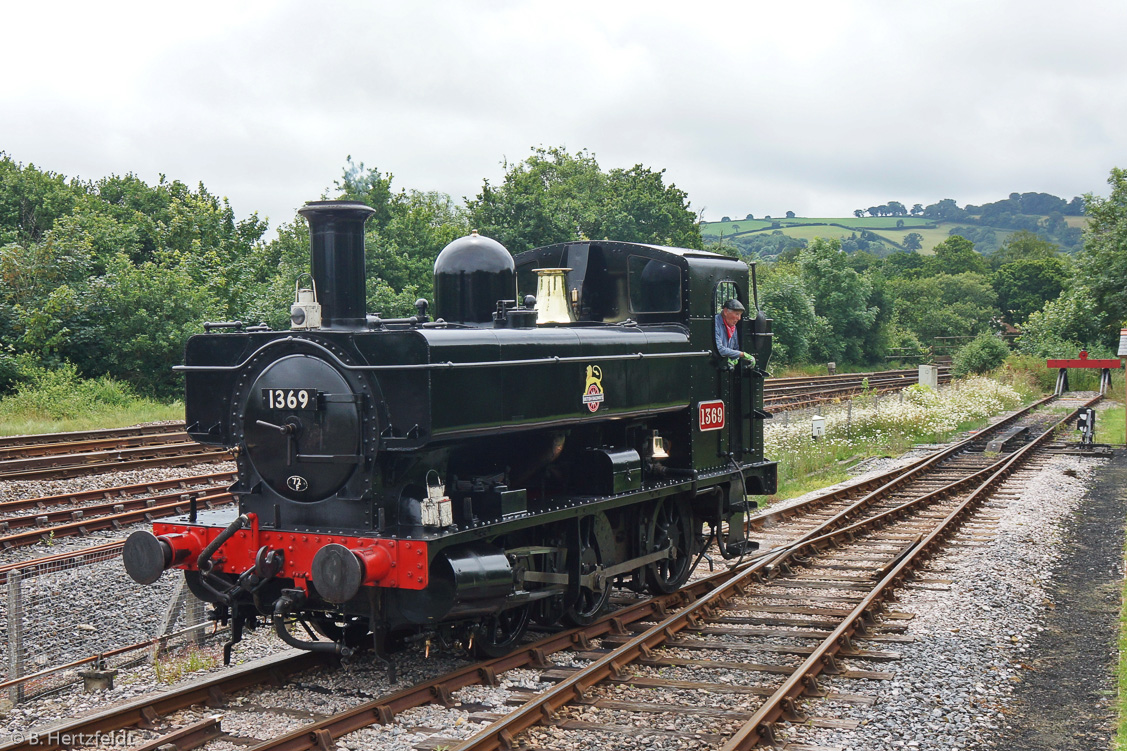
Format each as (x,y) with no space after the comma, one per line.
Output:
(710,415)
(290,399)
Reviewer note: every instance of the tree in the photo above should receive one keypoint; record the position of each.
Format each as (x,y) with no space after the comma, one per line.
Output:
(895,208)
(840,297)
(944,304)
(749,217)
(726,219)
(1025,285)
(908,263)
(859,213)
(1064,326)
(1102,265)
(946,211)
(913,241)
(31,200)
(790,215)
(785,299)
(956,255)
(1023,245)
(554,196)
(114,275)
(917,209)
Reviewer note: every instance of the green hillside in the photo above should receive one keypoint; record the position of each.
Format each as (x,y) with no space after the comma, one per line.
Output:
(881,234)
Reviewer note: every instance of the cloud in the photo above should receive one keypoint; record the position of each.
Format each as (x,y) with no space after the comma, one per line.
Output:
(817,107)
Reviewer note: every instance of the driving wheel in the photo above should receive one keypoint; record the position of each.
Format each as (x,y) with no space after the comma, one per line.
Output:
(670,526)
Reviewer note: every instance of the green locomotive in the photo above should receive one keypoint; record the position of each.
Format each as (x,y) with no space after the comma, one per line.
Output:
(510,459)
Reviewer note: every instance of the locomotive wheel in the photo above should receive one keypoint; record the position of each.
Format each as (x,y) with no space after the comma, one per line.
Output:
(499,633)
(670,524)
(596,545)
(352,631)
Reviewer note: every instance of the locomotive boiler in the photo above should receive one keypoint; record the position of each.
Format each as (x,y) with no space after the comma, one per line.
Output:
(510,458)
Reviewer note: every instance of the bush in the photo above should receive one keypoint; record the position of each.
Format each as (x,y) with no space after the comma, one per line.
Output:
(1029,374)
(14,369)
(984,353)
(59,394)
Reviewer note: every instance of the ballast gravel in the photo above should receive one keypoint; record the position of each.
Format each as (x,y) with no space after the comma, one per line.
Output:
(954,685)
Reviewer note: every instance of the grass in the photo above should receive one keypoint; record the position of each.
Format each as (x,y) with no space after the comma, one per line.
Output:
(887,426)
(58,400)
(172,668)
(1110,427)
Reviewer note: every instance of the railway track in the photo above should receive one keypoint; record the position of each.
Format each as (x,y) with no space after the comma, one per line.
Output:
(810,606)
(27,521)
(56,466)
(49,439)
(62,455)
(783,394)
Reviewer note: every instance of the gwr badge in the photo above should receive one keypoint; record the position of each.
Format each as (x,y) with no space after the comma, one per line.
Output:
(297,483)
(593,388)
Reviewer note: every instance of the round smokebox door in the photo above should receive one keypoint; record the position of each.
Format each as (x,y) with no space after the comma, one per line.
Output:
(302,428)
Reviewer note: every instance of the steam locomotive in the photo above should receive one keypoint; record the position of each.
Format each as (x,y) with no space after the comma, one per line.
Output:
(508,460)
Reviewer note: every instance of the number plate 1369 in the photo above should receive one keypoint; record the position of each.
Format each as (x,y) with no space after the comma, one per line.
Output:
(290,398)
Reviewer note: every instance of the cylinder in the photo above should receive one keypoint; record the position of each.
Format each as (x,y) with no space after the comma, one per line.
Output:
(336,247)
(465,581)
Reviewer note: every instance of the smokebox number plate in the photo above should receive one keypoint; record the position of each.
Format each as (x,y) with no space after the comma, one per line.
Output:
(289,399)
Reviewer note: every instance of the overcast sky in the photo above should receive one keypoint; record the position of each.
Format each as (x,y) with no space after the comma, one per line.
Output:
(813,107)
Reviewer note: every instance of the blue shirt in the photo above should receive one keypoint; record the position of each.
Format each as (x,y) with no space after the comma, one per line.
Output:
(727,346)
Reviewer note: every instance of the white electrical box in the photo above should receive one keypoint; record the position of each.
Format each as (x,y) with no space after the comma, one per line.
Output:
(929,376)
(818,426)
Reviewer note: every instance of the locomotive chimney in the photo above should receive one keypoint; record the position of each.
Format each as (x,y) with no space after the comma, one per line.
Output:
(336,240)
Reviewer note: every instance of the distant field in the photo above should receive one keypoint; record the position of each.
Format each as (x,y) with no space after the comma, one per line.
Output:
(746,226)
(884,227)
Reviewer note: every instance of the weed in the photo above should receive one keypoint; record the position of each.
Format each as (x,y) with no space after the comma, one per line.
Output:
(172,668)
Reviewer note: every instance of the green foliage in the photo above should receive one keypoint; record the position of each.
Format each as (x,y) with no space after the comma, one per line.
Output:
(944,305)
(1026,284)
(113,276)
(173,668)
(1102,266)
(908,264)
(841,301)
(905,346)
(1063,327)
(553,196)
(956,255)
(59,394)
(1029,373)
(31,200)
(984,353)
(785,300)
(764,244)
(1024,246)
